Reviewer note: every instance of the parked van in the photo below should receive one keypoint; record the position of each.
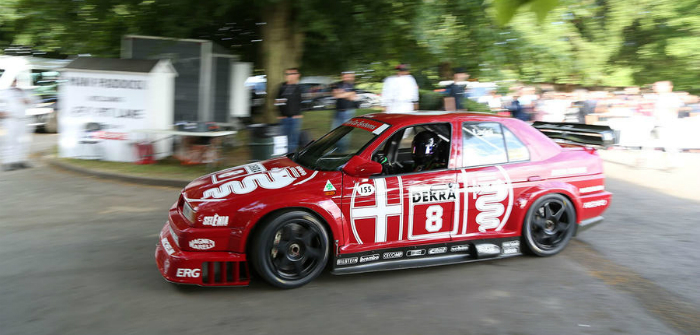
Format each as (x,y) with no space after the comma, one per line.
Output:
(41,76)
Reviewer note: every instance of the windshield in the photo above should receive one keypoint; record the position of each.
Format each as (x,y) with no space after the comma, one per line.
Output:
(335,148)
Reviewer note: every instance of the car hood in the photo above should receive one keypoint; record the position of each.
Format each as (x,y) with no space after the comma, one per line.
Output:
(253,179)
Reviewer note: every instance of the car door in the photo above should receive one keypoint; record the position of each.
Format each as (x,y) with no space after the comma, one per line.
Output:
(406,204)
(493,171)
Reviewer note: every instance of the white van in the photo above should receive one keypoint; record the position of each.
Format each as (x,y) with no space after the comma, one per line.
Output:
(41,76)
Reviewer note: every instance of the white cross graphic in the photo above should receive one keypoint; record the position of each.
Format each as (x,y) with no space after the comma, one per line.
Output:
(380,211)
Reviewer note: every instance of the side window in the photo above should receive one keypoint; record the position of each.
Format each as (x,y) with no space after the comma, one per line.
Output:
(415,149)
(482,144)
(517,151)
(488,143)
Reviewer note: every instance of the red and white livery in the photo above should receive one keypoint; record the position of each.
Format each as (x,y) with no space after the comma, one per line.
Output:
(389,191)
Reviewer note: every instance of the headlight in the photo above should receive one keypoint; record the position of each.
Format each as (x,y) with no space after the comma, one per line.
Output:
(188,212)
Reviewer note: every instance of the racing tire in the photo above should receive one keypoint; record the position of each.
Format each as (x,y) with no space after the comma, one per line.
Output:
(549,225)
(291,249)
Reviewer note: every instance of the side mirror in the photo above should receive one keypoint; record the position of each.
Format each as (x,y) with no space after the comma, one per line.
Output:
(362,167)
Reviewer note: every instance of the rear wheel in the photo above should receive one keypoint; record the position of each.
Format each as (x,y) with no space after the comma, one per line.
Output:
(549,225)
(291,249)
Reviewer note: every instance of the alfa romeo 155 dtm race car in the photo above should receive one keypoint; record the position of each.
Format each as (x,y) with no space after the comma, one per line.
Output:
(389,191)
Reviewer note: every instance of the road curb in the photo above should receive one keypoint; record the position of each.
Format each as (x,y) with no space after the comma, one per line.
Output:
(179,183)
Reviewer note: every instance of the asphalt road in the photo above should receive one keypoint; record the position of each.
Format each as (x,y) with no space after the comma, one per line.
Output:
(76,257)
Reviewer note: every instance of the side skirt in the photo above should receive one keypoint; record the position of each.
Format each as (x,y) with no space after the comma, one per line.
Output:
(426,255)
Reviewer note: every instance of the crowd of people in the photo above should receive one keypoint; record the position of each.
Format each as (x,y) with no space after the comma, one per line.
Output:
(400,94)
(659,104)
(585,106)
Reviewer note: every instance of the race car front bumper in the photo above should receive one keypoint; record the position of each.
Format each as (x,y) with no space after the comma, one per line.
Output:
(204,268)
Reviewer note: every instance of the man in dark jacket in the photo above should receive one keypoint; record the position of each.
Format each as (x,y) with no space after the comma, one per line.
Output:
(289,103)
(456,90)
(346,95)
(517,111)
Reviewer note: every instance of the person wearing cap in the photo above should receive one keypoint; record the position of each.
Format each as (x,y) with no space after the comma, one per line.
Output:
(14,151)
(455,92)
(400,91)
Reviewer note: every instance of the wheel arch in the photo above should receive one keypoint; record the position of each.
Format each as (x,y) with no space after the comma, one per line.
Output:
(320,213)
(528,197)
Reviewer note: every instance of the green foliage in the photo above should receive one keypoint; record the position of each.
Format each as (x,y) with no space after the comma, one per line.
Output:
(473,106)
(429,100)
(587,42)
(506,9)
(609,43)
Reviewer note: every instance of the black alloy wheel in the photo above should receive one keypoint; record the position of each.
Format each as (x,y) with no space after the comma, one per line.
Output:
(291,249)
(549,225)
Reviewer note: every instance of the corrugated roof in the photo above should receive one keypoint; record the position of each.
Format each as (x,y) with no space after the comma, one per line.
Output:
(113,64)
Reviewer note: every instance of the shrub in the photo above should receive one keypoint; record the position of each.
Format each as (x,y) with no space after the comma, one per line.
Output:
(429,100)
(474,106)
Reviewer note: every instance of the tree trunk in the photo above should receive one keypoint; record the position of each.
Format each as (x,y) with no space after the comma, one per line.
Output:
(282,49)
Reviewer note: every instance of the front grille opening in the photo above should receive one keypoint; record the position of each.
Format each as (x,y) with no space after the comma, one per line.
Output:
(243,270)
(205,272)
(224,272)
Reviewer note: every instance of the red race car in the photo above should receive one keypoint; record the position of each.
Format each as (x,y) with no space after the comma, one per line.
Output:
(389,191)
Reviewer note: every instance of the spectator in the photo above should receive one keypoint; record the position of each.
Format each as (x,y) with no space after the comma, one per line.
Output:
(345,94)
(517,111)
(289,102)
(583,105)
(494,101)
(400,91)
(456,91)
(345,104)
(666,115)
(13,114)
(528,100)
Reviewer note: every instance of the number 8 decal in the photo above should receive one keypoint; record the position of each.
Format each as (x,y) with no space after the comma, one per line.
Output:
(433,221)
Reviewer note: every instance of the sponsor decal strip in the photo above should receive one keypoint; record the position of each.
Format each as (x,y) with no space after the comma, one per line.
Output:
(569,171)
(201,244)
(166,245)
(597,203)
(215,221)
(591,189)
(188,273)
(474,249)
(375,127)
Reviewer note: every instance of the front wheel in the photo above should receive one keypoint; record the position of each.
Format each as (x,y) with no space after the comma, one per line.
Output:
(549,225)
(291,249)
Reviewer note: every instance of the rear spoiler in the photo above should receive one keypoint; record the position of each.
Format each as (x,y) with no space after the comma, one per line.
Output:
(601,136)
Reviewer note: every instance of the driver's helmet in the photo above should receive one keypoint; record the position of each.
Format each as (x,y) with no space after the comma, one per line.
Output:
(425,146)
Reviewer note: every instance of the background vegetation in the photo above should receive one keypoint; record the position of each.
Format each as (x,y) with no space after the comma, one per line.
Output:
(586,42)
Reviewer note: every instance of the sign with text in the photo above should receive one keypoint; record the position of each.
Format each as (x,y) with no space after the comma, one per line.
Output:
(98,112)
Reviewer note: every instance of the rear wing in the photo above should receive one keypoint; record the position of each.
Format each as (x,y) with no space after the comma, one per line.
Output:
(601,136)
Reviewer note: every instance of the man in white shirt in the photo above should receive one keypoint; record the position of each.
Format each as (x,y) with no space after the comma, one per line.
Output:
(666,115)
(400,91)
(14,145)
